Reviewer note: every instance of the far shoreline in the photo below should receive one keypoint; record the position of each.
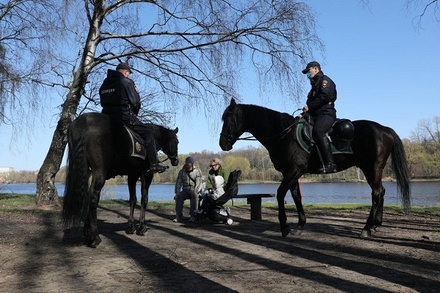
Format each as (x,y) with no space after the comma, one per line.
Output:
(249,182)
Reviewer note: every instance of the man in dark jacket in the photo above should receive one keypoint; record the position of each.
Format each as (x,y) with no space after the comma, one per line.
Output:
(321,106)
(121,101)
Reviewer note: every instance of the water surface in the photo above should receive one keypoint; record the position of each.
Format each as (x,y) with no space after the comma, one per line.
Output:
(423,193)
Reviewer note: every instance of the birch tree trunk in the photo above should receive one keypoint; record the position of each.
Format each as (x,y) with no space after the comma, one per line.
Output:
(47,193)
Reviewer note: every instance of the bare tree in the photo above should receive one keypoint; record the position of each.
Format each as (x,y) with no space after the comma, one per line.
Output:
(427,134)
(191,55)
(25,33)
(422,8)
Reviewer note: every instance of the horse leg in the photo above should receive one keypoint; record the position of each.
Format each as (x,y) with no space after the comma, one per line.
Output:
(92,238)
(377,197)
(146,181)
(379,213)
(282,218)
(132,191)
(297,198)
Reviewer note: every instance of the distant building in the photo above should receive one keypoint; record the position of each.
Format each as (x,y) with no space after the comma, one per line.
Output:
(4,173)
(6,170)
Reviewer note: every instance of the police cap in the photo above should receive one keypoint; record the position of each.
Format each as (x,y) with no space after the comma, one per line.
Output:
(311,64)
(123,65)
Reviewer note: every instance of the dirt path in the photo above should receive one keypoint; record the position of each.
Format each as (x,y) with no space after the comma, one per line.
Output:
(248,256)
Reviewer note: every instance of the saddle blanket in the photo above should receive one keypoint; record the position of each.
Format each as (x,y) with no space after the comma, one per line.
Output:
(137,148)
(304,138)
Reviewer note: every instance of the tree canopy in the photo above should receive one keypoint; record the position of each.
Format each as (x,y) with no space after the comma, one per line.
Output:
(192,54)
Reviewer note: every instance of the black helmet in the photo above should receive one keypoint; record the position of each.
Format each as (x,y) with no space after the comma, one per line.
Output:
(344,129)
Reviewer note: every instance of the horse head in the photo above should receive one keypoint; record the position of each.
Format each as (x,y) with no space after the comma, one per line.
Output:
(169,145)
(232,126)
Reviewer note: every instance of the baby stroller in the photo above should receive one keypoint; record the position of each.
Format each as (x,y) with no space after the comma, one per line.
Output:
(215,210)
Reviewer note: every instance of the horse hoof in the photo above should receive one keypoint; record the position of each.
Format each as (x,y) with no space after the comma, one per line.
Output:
(130,230)
(297,232)
(93,243)
(285,231)
(366,234)
(141,232)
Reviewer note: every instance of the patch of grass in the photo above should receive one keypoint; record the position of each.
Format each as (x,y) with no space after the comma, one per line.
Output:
(17,202)
(13,199)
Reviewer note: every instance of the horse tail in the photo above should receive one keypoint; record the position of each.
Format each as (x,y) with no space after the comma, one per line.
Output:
(401,170)
(76,197)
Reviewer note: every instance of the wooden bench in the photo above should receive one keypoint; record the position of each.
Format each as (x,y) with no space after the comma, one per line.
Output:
(254,200)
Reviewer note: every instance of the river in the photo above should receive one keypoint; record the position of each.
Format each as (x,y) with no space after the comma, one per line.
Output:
(422,193)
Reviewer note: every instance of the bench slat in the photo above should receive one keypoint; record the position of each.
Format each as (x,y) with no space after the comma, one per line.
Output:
(253,195)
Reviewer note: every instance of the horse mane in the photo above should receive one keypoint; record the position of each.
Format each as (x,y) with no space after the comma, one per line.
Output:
(271,119)
(160,131)
(156,128)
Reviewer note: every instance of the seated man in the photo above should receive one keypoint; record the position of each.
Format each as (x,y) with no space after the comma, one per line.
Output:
(188,186)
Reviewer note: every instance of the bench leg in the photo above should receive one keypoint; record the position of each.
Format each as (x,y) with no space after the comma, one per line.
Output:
(255,208)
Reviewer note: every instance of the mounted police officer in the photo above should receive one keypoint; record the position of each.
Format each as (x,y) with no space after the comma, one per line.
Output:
(121,101)
(321,106)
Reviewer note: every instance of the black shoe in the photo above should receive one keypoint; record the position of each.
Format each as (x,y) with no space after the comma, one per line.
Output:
(157,168)
(328,168)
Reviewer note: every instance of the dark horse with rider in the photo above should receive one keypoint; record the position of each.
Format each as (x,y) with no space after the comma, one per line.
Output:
(316,142)
(282,135)
(114,142)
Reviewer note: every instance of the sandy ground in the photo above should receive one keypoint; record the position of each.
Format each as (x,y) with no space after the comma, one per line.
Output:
(37,255)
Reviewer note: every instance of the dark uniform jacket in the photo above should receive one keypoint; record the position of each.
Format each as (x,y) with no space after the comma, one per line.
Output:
(321,98)
(119,97)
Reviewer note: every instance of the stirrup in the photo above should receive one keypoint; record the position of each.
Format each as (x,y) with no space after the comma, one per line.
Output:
(156,168)
(328,168)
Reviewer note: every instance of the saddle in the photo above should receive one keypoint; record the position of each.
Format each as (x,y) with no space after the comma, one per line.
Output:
(137,148)
(340,135)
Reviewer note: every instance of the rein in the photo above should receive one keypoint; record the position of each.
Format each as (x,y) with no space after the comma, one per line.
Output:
(250,137)
(282,133)
(168,158)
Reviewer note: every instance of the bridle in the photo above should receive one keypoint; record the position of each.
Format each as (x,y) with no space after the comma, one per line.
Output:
(282,134)
(231,138)
(169,157)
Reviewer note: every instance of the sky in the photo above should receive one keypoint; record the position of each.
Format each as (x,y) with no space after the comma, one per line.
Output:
(385,68)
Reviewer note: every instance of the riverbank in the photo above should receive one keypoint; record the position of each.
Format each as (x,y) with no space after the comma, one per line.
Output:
(12,201)
(302,179)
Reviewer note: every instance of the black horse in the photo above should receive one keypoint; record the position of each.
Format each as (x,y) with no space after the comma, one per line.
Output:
(101,149)
(372,145)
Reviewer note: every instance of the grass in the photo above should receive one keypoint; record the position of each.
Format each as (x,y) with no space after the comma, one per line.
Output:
(17,202)
(13,199)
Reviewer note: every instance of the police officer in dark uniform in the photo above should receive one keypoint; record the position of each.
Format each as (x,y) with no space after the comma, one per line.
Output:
(321,106)
(121,101)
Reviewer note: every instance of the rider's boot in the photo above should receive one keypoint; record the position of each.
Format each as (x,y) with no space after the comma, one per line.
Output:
(154,167)
(324,148)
